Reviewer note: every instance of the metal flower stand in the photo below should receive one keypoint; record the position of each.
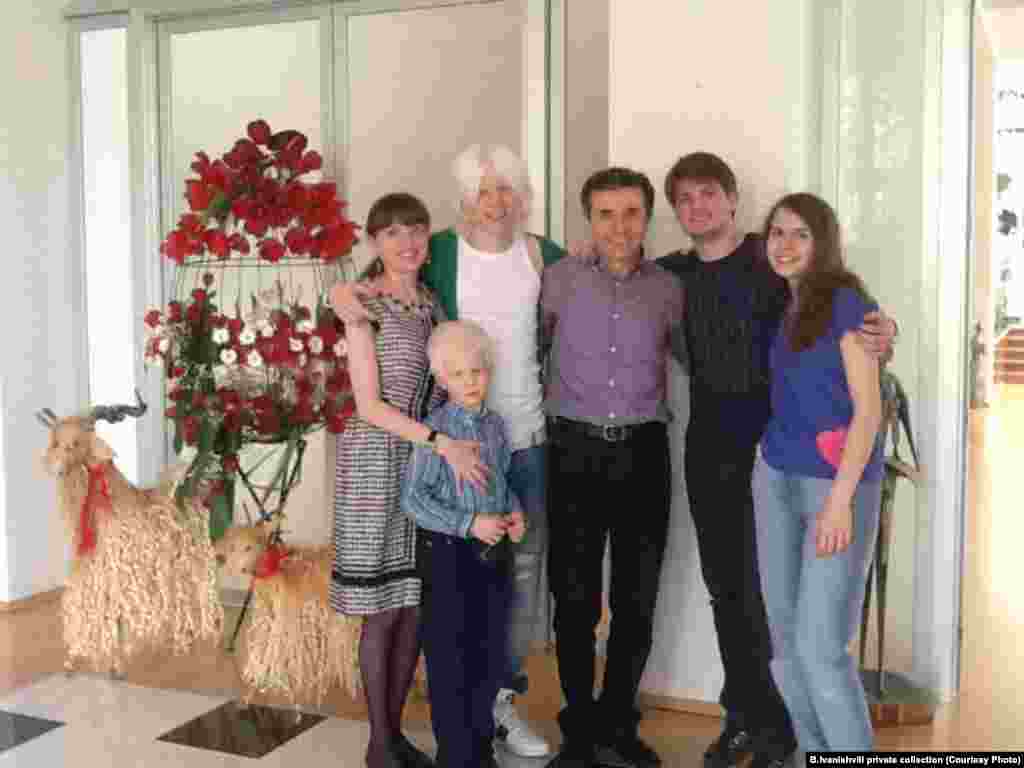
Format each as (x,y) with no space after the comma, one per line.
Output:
(893,699)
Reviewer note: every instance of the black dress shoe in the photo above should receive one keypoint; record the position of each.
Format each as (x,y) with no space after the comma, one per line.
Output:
(728,748)
(626,750)
(573,755)
(409,754)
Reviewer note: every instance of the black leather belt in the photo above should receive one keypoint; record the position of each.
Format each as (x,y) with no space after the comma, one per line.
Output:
(610,433)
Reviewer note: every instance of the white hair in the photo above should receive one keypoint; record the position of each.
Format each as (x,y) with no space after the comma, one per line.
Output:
(454,336)
(472,165)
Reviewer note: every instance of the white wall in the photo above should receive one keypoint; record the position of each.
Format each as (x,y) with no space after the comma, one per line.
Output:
(684,76)
(37,352)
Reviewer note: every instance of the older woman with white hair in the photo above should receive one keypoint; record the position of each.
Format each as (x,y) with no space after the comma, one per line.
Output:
(487,269)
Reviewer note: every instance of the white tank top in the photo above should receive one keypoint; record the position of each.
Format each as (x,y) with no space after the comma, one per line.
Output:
(499,292)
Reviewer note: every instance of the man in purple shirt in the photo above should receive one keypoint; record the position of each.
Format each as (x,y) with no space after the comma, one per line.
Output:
(610,326)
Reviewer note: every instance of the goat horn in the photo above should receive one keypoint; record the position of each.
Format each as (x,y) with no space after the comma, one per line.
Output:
(115,413)
(46,418)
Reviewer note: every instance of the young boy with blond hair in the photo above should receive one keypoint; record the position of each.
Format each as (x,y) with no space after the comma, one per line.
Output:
(467,585)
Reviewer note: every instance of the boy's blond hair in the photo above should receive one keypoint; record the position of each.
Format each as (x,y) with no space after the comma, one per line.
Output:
(462,335)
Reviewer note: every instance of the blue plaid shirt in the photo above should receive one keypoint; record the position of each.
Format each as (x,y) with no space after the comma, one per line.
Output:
(430,495)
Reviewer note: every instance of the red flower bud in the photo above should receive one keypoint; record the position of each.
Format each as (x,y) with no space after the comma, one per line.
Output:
(199,296)
(174,311)
(177,371)
(230,463)
(259,131)
(235,325)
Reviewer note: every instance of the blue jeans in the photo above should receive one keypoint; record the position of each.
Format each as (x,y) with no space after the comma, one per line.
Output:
(814,605)
(528,480)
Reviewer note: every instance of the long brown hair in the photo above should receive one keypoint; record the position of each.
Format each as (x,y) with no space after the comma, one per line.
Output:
(812,315)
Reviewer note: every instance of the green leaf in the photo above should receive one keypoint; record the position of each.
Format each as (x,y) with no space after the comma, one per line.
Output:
(220,516)
(179,441)
(206,435)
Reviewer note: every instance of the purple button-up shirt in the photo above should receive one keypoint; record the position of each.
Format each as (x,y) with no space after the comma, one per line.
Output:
(609,339)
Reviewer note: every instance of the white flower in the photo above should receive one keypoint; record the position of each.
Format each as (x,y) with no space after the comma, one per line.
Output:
(164,344)
(228,356)
(247,336)
(341,348)
(221,335)
(303,359)
(295,345)
(255,359)
(267,330)
(316,345)
(305,326)
(222,372)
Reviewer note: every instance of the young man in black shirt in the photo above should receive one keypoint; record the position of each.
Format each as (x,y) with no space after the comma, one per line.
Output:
(734,303)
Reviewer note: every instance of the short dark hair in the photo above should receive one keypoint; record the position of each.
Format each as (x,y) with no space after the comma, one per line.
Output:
(617,178)
(398,207)
(699,166)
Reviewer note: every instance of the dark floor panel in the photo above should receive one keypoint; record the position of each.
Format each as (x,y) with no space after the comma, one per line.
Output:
(250,731)
(16,729)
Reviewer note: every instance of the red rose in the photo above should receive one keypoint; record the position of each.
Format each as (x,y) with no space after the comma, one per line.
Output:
(177,371)
(259,131)
(199,296)
(178,393)
(217,242)
(298,240)
(153,318)
(199,195)
(174,311)
(176,247)
(303,413)
(235,325)
(268,422)
(239,243)
(311,161)
(230,463)
(171,413)
(190,430)
(271,250)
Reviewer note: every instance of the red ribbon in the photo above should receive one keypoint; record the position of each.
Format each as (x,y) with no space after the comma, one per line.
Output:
(97,497)
(270,562)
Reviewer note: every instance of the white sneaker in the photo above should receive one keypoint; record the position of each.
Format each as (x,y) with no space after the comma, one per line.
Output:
(513,732)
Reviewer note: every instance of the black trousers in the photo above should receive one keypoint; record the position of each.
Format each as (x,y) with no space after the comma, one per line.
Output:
(718,468)
(615,492)
(464,615)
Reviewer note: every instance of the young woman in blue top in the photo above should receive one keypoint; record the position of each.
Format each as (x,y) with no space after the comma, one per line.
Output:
(817,481)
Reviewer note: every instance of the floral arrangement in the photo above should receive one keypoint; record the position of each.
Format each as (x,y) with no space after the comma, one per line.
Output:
(275,372)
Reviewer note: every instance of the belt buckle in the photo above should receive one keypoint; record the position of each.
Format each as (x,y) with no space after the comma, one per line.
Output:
(613,433)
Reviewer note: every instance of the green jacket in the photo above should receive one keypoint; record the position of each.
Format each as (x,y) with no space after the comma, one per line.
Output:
(440,273)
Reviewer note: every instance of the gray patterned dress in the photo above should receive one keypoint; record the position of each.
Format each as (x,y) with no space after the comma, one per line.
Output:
(374,542)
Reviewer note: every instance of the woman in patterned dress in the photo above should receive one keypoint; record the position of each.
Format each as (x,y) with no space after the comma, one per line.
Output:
(374,573)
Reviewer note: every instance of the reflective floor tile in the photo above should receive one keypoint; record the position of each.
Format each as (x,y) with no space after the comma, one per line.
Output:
(16,729)
(251,731)
(124,711)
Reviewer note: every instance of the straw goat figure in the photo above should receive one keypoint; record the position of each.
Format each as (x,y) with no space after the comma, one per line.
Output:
(293,643)
(143,573)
